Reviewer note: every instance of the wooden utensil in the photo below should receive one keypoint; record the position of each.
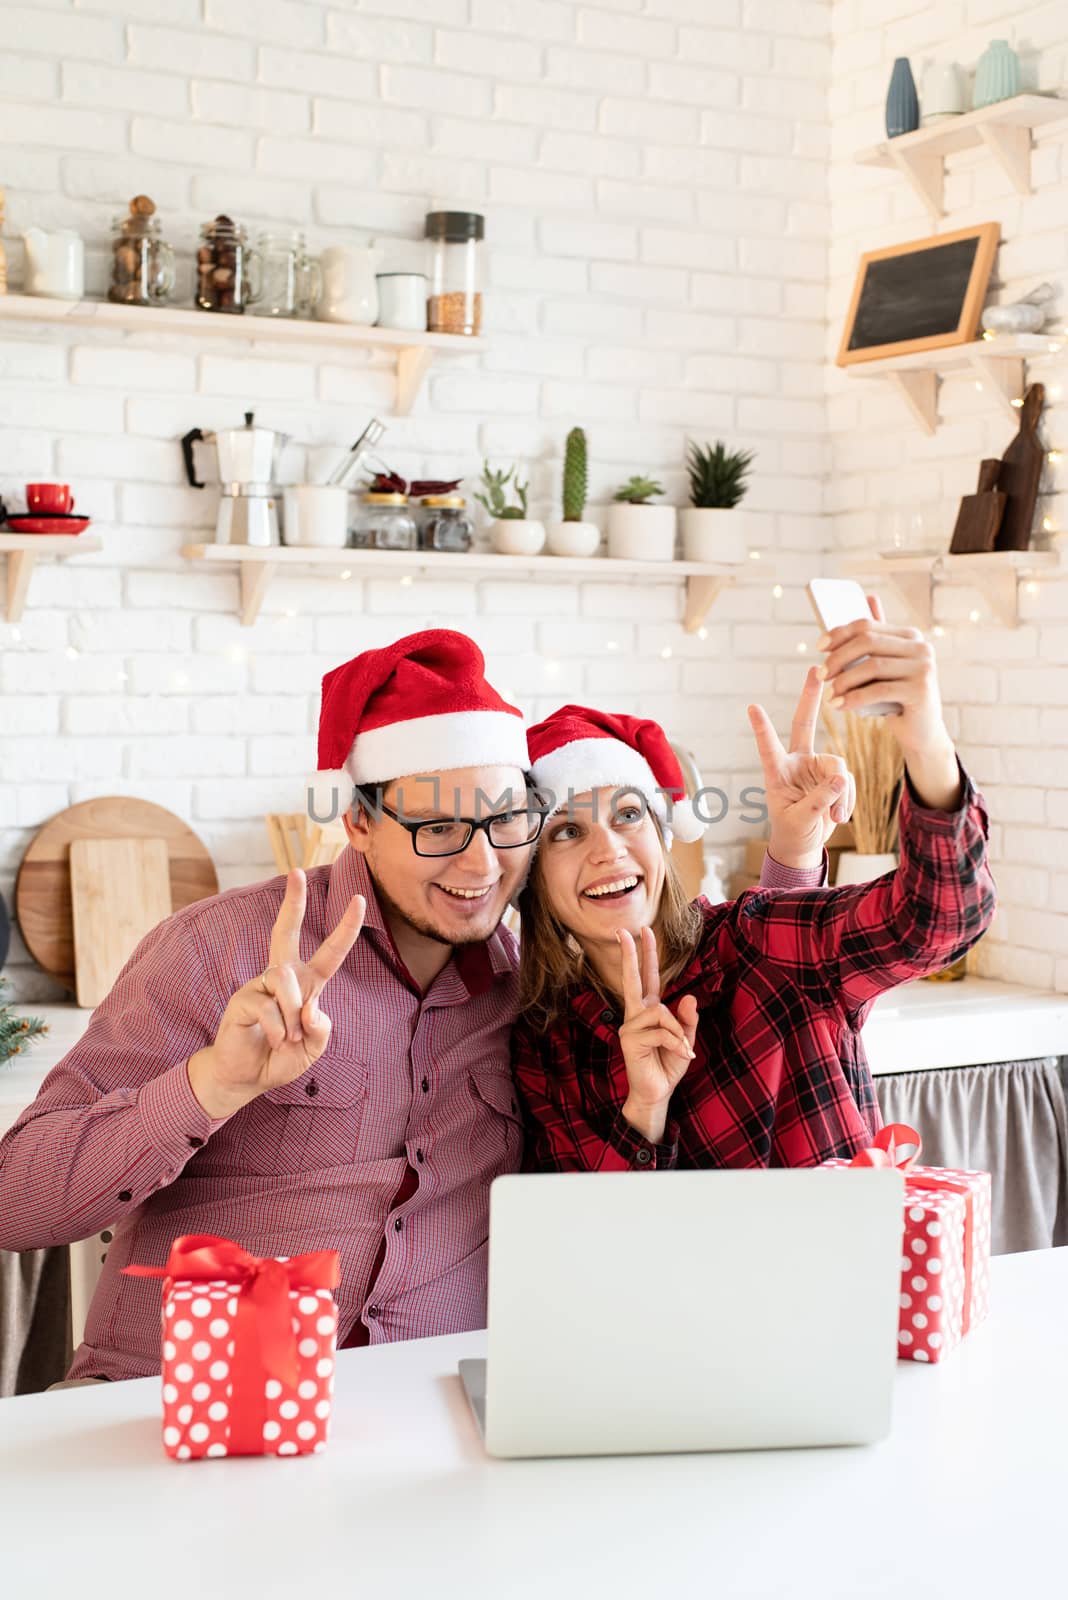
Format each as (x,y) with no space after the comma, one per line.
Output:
(119,889)
(42,888)
(1021,469)
(980,514)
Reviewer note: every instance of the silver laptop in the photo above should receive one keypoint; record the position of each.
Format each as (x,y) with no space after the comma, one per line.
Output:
(633,1312)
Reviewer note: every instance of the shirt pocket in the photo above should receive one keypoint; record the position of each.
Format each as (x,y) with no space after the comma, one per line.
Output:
(306,1125)
(496,1136)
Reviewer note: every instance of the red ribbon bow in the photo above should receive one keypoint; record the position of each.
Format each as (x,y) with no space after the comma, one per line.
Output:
(885,1151)
(265,1345)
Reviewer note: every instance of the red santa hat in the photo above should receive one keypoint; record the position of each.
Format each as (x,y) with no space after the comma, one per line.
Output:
(419,705)
(577,749)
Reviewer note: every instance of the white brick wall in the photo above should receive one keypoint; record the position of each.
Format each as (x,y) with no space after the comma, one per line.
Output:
(1006,691)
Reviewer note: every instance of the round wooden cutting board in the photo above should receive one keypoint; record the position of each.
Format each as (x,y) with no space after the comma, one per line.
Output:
(42,888)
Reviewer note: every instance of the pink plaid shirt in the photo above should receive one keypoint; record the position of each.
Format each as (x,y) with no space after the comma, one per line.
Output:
(413,1097)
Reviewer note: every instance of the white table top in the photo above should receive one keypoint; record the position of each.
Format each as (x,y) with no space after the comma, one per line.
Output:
(966,1497)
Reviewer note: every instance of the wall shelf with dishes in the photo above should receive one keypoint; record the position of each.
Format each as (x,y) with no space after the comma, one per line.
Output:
(258,565)
(415,352)
(996,361)
(995,574)
(21,552)
(1003,129)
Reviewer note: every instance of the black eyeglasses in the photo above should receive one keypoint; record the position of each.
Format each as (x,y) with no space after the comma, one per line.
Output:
(449,836)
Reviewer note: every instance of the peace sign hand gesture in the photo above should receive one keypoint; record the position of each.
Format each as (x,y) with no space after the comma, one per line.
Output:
(657,1046)
(273,1029)
(807,794)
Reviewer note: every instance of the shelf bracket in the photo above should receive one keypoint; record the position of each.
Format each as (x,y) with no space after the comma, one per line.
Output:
(919,390)
(914,589)
(413,363)
(925,173)
(20,565)
(1001,593)
(1011,148)
(255,581)
(701,596)
(1004,374)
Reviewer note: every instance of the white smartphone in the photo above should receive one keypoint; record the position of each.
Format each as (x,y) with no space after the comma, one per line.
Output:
(837,601)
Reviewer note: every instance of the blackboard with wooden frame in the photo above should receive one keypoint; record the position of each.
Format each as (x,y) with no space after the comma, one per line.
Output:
(923,295)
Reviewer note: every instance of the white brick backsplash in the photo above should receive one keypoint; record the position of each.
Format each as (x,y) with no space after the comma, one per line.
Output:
(194,51)
(645,36)
(186,142)
(605,71)
(454,92)
(235,106)
(655,120)
(47,32)
(116,367)
(282,21)
(546,107)
(87,83)
(324,74)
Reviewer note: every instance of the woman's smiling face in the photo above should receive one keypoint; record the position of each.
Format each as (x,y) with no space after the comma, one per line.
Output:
(600,866)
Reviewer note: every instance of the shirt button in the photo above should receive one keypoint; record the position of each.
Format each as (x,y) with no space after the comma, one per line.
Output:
(643,1158)
(398,1225)
(425,1085)
(372,1311)
(311,1089)
(608,1015)
(195,1142)
(419,1157)
(124,1194)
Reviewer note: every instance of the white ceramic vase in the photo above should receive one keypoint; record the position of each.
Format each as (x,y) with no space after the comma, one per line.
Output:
(711,533)
(572,538)
(854,866)
(942,94)
(641,533)
(517,536)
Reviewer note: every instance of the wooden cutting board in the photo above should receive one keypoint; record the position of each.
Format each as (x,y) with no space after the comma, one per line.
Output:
(119,890)
(42,888)
(1021,469)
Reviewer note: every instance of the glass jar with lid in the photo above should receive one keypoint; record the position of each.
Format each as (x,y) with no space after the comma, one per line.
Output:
(228,269)
(455,301)
(142,263)
(291,279)
(446,525)
(386,523)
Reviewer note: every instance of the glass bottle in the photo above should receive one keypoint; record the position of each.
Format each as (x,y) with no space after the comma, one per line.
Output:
(142,262)
(455,302)
(292,280)
(228,269)
(447,525)
(386,523)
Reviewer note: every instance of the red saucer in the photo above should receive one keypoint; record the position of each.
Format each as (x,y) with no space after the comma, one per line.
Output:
(64,524)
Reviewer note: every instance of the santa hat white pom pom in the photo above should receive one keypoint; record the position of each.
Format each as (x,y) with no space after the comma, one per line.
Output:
(328,795)
(685,824)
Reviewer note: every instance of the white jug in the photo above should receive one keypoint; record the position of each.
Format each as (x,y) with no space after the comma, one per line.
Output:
(350,292)
(55,263)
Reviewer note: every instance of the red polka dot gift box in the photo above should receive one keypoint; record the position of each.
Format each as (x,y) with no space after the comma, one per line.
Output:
(248,1349)
(945,1251)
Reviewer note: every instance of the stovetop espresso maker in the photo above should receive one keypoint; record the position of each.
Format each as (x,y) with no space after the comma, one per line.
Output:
(248,469)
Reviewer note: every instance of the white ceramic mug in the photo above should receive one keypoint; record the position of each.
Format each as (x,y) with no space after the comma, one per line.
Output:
(55,263)
(402,300)
(317,514)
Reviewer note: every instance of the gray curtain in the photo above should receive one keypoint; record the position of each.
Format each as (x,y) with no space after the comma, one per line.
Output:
(35,1347)
(1008,1119)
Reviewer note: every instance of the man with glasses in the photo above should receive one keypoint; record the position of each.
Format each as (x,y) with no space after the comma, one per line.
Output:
(321,1061)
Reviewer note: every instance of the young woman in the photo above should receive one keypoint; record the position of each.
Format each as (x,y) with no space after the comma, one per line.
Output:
(659,1033)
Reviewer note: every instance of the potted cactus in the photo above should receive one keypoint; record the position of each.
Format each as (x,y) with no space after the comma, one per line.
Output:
(713,527)
(512,532)
(638,531)
(573,536)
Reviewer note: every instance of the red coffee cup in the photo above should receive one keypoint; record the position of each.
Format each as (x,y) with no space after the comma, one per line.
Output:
(49,499)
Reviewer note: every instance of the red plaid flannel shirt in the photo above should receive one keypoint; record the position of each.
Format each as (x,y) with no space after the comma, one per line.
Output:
(783,983)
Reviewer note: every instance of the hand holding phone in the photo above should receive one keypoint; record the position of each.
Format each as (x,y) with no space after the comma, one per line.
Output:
(837,601)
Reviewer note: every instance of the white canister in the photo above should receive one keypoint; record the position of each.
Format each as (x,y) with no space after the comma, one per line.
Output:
(942,94)
(350,293)
(55,263)
(317,514)
(402,300)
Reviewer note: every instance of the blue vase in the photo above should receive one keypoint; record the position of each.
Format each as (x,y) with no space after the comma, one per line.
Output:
(902,102)
(997,76)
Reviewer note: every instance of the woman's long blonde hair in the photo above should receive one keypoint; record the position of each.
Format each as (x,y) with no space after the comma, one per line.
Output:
(552,966)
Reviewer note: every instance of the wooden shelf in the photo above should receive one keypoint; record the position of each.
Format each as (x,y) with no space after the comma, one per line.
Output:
(995,573)
(996,361)
(23,550)
(1003,129)
(259,564)
(415,351)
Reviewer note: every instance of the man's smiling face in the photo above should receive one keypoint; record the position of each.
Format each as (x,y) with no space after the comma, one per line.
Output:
(454,899)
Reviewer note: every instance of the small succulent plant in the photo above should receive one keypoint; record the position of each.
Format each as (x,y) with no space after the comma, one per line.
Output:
(638,491)
(496,501)
(575,476)
(718,476)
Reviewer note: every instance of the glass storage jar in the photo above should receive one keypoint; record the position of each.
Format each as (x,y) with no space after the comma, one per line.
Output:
(228,269)
(292,281)
(386,523)
(446,525)
(455,301)
(142,263)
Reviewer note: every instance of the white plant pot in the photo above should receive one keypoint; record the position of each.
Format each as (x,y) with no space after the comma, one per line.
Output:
(856,867)
(712,533)
(517,536)
(572,538)
(641,533)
